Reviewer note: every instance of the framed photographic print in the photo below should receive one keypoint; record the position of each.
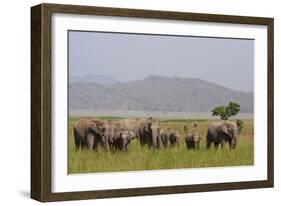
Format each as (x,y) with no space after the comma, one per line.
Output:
(130,102)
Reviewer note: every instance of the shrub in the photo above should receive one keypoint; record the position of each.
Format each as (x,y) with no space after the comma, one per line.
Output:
(240,125)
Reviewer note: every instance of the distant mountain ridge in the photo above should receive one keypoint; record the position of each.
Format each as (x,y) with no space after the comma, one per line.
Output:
(92,78)
(156,93)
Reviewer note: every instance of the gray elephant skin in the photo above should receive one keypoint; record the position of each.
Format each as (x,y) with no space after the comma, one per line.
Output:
(88,133)
(123,139)
(175,138)
(110,134)
(146,130)
(220,133)
(165,137)
(119,133)
(170,138)
(192,140)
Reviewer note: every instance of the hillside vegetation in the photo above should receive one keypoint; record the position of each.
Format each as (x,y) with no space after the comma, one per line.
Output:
(156,93)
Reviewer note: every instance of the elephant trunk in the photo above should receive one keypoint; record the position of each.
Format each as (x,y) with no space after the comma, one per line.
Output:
(106,143)
(233,143)
(124,144)
(196,145)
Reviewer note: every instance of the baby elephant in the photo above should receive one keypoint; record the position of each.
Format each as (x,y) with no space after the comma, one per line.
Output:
(123,139)
(175,138)
(165,137)
(192,140)
(169,137)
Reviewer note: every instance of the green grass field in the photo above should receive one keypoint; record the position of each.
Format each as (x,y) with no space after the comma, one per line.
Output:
(142,158)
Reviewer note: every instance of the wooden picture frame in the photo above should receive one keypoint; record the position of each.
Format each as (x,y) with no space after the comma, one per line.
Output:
(41,116)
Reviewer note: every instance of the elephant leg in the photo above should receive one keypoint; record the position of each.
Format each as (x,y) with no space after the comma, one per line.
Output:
(77,145)
(163,141)
(222,144)
(159,142)
(124,144)
(119,144)
(232,143)
(230,146)
(154,138)
(168,142)
(141,142)
(90,141)
(148,140)
(208,145)
(97,144)
(188,145)
(127,146)
(193,145)
(142,139)
(216,145)
(114,146)
(77,139)
(106,144)
(177,143)
(83,145)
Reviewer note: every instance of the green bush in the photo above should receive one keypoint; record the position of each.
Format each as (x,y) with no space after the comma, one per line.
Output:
(240,125)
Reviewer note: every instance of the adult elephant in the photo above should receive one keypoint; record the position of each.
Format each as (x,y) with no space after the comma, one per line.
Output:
(146,130)
(149,134)
(110,134)
(88,133)
(221,133)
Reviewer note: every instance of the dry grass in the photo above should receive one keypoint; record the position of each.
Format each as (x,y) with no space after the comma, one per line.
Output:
(138,158)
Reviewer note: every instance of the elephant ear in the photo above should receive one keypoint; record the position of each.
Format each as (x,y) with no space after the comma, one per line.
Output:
(231,129)
(224,129)
(97,123)
(117,132)
(97,126)
(132,135)
(93,128)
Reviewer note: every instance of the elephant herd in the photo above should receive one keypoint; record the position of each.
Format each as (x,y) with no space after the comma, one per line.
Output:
(117,134)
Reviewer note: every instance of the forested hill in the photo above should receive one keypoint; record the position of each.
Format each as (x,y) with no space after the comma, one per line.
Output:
(156,93)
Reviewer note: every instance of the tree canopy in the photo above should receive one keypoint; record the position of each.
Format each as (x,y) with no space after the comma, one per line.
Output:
(226,111)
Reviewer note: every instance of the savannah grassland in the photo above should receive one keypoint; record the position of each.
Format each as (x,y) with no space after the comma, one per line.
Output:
(143,158)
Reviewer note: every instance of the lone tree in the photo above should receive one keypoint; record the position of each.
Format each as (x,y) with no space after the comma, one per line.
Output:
(226,111)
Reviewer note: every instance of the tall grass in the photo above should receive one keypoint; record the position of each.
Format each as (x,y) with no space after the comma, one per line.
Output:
(143,158)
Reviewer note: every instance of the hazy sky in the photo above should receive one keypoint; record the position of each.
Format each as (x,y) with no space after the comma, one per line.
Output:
(125,57)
